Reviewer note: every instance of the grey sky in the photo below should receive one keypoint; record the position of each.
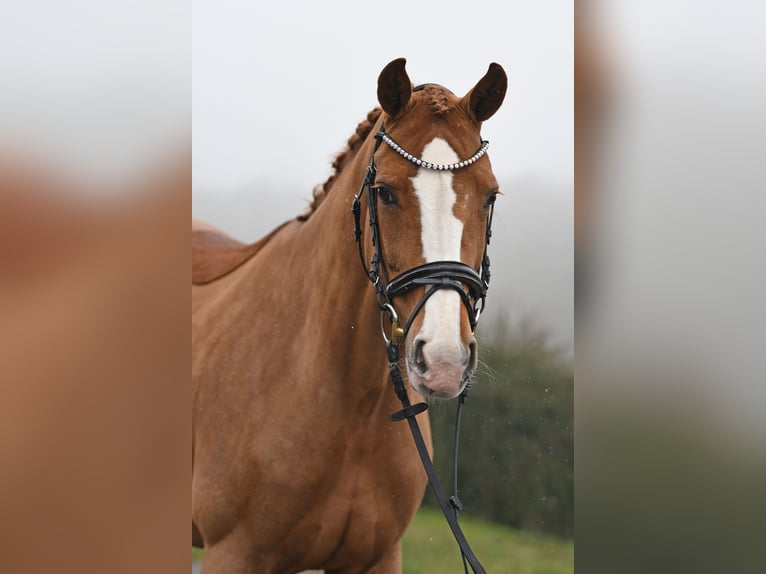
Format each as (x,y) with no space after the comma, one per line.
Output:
(278,87)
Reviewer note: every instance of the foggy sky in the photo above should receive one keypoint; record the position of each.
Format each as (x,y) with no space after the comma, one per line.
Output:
(279,87)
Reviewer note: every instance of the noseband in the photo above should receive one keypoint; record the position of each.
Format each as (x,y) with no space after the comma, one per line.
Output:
(471,284)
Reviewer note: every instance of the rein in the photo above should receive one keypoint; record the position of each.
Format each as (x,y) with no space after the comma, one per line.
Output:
(471,284)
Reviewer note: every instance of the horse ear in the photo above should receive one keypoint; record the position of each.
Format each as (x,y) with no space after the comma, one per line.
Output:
(486,97)
(394,87)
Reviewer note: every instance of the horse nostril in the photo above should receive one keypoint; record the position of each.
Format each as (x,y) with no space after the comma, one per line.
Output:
(472,354)
(420,361)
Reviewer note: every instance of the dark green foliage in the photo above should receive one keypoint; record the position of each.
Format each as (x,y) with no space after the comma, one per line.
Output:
(516,463)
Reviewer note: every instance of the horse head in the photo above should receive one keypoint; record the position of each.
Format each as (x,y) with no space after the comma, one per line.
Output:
(431,195)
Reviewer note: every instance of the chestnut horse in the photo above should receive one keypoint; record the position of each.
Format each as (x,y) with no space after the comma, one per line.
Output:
(295,463)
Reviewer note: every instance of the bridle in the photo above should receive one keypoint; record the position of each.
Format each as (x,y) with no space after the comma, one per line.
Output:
(470,284)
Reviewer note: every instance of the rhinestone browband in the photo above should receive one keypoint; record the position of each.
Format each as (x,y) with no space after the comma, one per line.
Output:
(441,167)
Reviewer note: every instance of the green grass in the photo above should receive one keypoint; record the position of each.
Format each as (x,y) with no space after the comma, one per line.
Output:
(429,548)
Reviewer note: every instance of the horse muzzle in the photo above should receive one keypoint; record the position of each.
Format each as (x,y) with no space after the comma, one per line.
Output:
(440,370)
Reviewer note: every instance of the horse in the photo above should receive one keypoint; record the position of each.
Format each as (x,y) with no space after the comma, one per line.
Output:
(296,464)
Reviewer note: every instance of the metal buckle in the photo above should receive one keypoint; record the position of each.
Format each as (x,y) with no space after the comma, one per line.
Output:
(396,330)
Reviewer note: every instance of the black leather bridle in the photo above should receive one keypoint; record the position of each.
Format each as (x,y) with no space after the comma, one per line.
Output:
(470,283)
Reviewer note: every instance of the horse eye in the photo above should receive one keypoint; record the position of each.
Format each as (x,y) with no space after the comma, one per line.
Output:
(385,195)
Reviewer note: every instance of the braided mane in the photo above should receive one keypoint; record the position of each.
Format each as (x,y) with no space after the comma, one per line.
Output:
(438,99)
(341,160)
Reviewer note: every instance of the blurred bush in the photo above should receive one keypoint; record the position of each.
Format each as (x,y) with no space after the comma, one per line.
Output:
(516,460)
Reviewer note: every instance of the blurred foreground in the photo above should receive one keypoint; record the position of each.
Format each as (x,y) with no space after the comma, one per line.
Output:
(671,457)
(94,363)
(95,194)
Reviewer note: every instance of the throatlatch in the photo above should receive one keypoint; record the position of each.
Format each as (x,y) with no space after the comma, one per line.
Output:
(471,284)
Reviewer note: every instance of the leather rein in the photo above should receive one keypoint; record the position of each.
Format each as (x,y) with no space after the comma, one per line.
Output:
(470,284)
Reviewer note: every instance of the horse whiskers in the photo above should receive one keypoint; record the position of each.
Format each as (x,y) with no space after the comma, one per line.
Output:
(484,368)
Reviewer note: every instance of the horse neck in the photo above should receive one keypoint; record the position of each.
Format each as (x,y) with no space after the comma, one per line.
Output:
(343,303)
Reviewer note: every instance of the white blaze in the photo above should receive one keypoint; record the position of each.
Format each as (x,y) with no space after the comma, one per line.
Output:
(442,235)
